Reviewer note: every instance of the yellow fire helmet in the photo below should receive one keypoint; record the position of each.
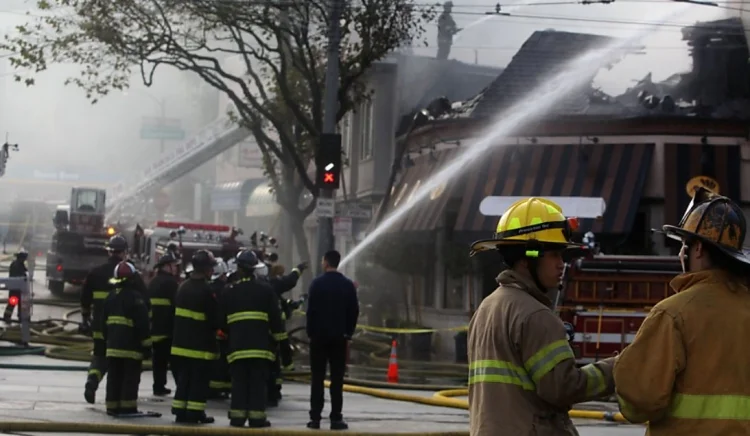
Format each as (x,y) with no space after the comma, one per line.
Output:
(715,220)
(535,222)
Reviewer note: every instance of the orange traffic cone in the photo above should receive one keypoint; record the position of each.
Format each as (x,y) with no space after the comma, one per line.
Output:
(393,365)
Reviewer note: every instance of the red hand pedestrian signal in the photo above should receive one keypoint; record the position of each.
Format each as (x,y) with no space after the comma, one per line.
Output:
(13,301)
(329,177)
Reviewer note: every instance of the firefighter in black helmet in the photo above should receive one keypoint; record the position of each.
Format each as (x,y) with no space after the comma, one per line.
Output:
(194,346)
(125,330)
(161,293)
(95,290)
(252,321)
(17,269)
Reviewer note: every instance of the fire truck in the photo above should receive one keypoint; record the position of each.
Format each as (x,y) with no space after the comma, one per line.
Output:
(148,245)
(606,298)
(80,238)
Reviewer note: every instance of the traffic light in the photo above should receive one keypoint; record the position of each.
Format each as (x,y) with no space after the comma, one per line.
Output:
(328,162)
(13,301)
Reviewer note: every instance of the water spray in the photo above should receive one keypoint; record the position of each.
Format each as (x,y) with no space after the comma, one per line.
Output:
(526,110)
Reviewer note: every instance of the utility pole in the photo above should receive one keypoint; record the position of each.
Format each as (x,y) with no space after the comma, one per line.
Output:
(331,106)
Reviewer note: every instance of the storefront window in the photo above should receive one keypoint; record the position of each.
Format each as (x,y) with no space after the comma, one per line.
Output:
(454,295)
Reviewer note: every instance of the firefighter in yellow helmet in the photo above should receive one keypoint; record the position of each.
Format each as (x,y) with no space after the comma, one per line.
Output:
(688,371)
(519,355)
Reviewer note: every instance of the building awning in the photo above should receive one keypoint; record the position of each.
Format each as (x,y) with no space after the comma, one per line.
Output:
(429,213)
(717,167)
(262,201)
(231,196)
(590,180)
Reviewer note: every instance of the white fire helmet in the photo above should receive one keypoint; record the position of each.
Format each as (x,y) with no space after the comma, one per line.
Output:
(231,266)
(219,269)
(189,268)
(261,270)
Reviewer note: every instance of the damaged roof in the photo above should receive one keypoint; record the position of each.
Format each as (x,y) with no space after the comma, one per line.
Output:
(543,55)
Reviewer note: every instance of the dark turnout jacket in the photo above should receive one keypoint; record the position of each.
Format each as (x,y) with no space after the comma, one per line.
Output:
(162,290)
(196,321)
(251,318)
(95,290)
(332,307)
(125,327)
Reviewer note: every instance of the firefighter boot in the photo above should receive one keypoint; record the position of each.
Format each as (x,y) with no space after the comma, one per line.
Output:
(258,423)
(237,422)
(89,392)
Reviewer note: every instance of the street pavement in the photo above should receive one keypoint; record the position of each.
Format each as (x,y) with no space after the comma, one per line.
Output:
(58,396)
(32,395)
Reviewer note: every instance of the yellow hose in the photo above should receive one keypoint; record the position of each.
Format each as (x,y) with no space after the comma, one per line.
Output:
(177,430)
(446,399)
(69,346)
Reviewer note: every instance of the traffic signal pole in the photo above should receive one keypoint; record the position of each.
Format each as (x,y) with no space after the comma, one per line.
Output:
(331,106)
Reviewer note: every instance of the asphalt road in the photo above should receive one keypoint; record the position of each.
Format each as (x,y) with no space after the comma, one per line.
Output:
(34,395)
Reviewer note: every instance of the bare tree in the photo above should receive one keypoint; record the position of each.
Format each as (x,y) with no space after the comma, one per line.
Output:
(282,43)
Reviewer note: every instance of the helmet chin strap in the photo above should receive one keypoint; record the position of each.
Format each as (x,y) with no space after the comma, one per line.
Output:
(534,271)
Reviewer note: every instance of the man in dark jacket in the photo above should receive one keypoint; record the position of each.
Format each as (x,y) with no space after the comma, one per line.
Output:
(17,269)
(126,332)
(252,320)
(95,290)
(161,292)
(194,345)
(281,284)
(332,312)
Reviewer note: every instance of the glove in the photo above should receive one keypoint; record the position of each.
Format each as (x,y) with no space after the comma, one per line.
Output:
(303,266)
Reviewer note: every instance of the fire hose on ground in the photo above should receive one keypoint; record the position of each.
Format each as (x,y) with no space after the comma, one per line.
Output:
(63,344)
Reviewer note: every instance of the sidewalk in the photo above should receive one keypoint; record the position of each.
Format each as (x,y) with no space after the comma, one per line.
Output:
(32,395)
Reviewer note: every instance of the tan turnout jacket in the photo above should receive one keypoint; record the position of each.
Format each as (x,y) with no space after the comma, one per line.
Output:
(523,378)
(688,370)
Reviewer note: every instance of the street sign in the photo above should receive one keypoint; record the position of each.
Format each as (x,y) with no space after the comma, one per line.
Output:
(342,226)
(325,208)
(162,128)
(357,210)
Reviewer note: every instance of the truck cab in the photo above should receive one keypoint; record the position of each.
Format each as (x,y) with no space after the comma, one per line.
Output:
(606,298)
(80,238)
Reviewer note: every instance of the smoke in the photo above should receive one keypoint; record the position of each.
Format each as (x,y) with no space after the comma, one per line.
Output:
(65,141)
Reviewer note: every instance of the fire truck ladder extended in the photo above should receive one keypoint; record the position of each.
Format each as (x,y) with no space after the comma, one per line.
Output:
(214,139)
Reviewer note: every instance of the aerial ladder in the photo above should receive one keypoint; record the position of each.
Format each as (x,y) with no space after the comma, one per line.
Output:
(212,140)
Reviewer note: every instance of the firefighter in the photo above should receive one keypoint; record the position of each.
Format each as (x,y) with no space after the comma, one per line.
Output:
(447,29)
(125,330)
(686,372)
(95,290)
(194,341)
(252,320)
(161,292)
(281,284)
(17,269)
(220,383)
(519,353)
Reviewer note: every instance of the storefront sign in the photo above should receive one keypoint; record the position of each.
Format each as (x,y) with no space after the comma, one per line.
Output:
(701,182)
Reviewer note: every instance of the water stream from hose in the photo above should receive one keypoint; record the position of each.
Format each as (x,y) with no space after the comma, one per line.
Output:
(577,73)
